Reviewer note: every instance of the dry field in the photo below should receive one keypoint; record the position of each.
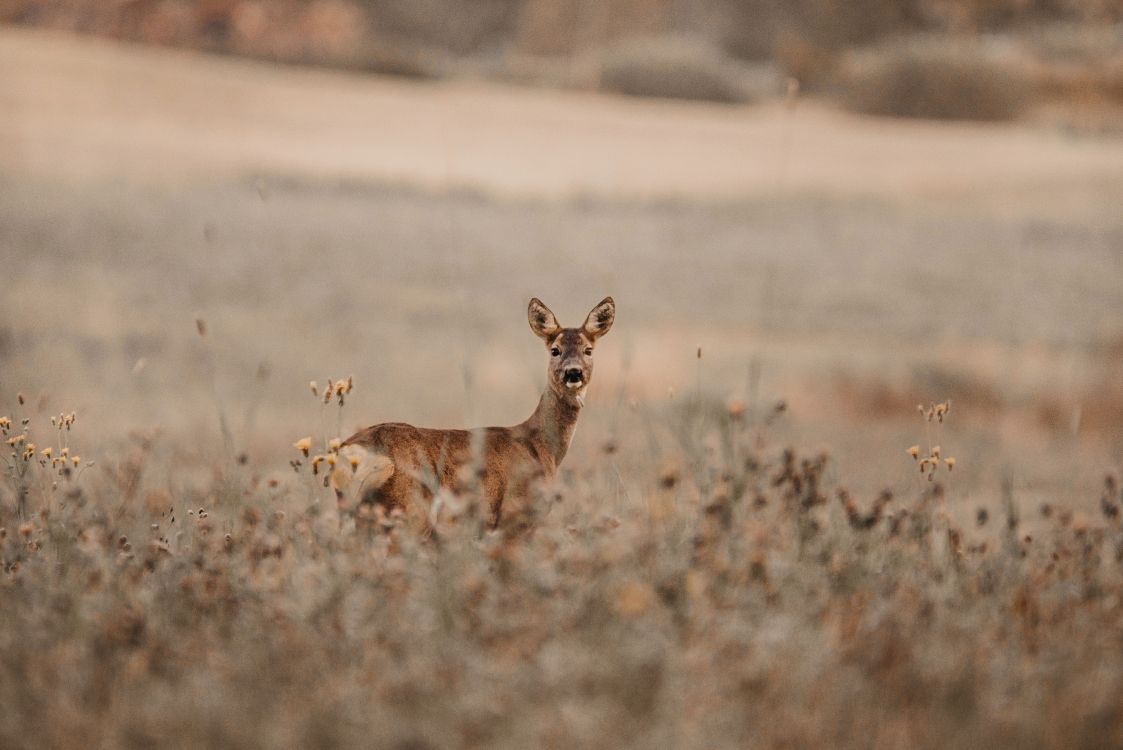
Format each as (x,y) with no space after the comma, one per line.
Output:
(710,570)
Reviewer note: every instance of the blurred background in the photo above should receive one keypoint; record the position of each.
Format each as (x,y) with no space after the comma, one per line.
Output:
(851,206)
(970,59)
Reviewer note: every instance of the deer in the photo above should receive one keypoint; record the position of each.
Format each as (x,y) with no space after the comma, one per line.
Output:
(396,466)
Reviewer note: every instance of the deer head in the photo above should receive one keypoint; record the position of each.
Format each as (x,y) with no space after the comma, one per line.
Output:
(570,365)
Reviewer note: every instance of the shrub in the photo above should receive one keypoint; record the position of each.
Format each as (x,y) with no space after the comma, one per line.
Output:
(457,28)
(672,68)
(934,78)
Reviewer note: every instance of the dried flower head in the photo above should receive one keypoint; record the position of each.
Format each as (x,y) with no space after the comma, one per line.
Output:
(304,445)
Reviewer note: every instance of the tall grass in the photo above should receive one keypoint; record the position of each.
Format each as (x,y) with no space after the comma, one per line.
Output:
(743,598)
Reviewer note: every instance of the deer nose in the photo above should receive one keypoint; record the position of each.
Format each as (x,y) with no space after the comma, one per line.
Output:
(573,375)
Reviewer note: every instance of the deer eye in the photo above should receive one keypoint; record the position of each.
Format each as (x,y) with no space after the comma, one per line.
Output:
(589,352)
(555,352)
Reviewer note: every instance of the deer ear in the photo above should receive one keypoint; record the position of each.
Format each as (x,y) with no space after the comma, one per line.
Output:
(600,319)
(542,321)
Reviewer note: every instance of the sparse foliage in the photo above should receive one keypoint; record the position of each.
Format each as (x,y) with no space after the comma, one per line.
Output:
(727,603)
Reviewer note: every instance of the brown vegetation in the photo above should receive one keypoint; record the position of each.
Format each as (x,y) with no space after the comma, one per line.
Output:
(671,68)
(752,601)
(938,79)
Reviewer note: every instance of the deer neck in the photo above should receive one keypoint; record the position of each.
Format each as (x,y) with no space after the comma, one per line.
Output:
(554,422)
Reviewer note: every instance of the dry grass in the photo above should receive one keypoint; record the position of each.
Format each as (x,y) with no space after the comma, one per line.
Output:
(691,582)
(739,597)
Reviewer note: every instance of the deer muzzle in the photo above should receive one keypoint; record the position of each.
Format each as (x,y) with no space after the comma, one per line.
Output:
(573,377)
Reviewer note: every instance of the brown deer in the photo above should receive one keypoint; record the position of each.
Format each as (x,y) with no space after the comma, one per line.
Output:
(399,466)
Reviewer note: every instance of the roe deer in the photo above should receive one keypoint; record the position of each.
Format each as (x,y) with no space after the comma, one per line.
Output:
(396,465)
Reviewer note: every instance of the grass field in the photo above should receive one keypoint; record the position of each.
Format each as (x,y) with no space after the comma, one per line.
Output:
(710,570)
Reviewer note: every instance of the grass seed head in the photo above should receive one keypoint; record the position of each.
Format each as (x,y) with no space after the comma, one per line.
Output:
(304,445)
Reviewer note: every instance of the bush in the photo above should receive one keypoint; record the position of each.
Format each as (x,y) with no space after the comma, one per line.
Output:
(672,68)
(935,78)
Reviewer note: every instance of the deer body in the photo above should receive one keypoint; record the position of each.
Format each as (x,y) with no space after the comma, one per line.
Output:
(397,465)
